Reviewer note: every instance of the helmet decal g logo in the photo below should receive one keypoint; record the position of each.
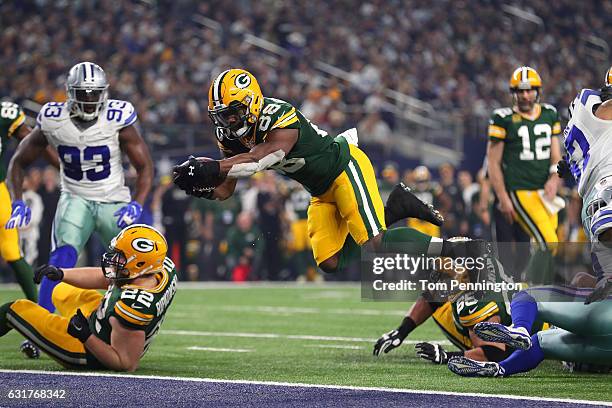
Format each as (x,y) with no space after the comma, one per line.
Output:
(143,245)
(242,81)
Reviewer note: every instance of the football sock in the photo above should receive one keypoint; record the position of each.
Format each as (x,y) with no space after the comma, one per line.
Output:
(524,310)
(45,293)
(4,326)
(524,360)
(409,240)
(24,275)
(349,252)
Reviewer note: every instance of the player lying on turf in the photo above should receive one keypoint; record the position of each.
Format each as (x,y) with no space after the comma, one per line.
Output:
(584,333)
(95,331)
(257,133)
(456,318)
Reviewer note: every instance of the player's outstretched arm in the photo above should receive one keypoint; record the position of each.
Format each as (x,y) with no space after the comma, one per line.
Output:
(225,190)
(138,152)
(420,311)
(495,151)
(30,148)
(123,354)
(278,143)
(84,278)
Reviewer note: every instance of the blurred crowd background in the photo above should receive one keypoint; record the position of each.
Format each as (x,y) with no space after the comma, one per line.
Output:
(418,78)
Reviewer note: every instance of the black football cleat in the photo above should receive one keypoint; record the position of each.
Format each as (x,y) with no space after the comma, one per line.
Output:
(29,349)
(402,203)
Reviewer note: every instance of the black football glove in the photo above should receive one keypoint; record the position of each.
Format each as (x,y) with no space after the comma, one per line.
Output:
(563,170)
(388,342)
(79,327)
(51,272)
(435,353)
(195,174)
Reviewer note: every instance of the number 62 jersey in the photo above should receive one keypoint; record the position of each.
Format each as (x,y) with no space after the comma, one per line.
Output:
(90,158)
(587,141)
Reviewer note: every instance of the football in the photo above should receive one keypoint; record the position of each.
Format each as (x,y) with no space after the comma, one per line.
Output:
(217,180)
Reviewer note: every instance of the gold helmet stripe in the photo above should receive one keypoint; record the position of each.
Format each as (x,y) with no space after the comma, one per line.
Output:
(217,89)
(609,77)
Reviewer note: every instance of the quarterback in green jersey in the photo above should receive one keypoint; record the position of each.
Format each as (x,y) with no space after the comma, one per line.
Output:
(92,330)
(522,154)
(256,133)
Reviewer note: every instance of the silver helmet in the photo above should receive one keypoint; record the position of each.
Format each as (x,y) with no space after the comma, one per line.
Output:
(87,90)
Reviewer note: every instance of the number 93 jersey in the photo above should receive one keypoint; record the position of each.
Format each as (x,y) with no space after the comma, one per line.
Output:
(315,160)
(587,141)
(136,307)
(90,159)
(526,157)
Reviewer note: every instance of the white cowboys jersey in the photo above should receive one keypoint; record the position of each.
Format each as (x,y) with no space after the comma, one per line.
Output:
(588,142)
(90,159)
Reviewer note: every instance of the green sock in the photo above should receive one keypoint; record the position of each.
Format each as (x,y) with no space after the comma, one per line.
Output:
(24,275)
(404,239)
(350,251)
(4,326)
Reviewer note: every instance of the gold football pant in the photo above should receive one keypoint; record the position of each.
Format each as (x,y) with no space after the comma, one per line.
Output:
(534,218)
(9,240)
(299,235)
(49,331)
(352,204)
(443,316)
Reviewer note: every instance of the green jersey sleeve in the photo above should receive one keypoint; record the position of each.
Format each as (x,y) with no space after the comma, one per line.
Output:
(556,122)
(134,309)
(498,124)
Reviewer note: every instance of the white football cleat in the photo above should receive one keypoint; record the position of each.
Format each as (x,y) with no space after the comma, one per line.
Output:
(515,337)
(466,367)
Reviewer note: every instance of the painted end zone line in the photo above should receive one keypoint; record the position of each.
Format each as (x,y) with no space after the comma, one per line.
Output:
(289,336)
(323,386)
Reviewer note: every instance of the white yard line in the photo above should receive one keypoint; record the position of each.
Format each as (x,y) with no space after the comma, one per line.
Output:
(307,310)
(285,384)
(335,346)
(228,350)
(286,336)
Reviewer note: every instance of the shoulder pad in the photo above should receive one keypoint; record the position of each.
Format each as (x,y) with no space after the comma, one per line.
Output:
(135,308)
(51,112)
(549,107)
(585,94)
(281,113)
(502,112)
(120,113)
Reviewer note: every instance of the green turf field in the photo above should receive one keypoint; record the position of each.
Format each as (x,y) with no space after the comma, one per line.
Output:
(309,334)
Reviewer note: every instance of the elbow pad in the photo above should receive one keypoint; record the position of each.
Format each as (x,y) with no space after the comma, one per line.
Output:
(248,169)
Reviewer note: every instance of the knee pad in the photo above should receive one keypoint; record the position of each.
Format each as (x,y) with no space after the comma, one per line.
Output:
(64,257)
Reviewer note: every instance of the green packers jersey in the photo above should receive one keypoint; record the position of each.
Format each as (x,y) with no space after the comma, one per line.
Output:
(11,117)
(526,158)
(315,160)
(136,307)
(468,310)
